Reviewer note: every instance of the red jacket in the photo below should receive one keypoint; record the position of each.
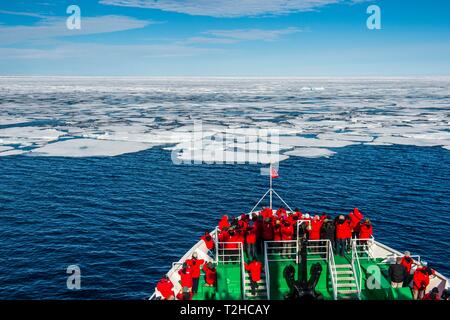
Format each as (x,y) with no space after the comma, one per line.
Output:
(210,275)
(358,214)
(277,232)
(209,243)
(255,270)
(223,236)
(165,287)
(365,231)
(233,238)
(224,223)
(287,232)
(407,262)
(343,231)
(281,212)
(420,279)
(250,238)
(354,220)
(266,213)
(316,225)
(267,231)
(186,278)
(194,265)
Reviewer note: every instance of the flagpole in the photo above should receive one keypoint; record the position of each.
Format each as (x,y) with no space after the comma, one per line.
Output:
(270,189)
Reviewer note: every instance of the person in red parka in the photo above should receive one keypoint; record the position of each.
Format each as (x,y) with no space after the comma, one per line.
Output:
(232,244)
(355,218)
(186,276)
(409,263)
(365,232)
(315,226)
(266,213)
(209,241)
(432,295)
(195,264)
(314,231)
(165,287)
(281,213)
(250,241)
(243,221)
(277,231)
(254,268)
(210,274)
(421,280)
(343,234)
(267,230)
(224,223)
(185,294)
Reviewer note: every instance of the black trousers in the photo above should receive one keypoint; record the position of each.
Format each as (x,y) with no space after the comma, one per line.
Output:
(194,285)
(254,286)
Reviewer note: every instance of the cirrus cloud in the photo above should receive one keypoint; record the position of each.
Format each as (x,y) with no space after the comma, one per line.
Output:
(226,8)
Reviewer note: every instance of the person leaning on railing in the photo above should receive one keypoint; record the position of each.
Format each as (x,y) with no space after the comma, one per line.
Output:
(397,273)
(421,280)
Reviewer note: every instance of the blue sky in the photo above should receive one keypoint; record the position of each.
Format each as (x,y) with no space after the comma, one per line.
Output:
(225,38)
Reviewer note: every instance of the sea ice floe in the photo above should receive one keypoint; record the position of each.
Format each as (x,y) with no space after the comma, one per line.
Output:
(18,135)
(312,142)
(88,148)
(139,112)
(310,152)
(409,141)
(345,136)
(229,157)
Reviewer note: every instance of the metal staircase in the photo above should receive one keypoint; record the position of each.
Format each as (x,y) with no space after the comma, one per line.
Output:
(346,286)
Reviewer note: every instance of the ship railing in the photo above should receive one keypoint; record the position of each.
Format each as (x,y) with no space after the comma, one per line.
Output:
(318,250)
(282,250)
(363,247)
(266,268)
(226,254)
(356,267)
(391,258)
(333,271)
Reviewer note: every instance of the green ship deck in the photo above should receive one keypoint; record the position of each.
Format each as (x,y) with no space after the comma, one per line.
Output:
(229,281)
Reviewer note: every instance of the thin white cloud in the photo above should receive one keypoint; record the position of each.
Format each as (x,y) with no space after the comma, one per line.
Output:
(226,8)
(92,51)
(230,36)
(252,34)
(50,28)
(22,13)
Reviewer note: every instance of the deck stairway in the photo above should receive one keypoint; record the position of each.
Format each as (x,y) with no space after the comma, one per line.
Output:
(345,282)
(261,291)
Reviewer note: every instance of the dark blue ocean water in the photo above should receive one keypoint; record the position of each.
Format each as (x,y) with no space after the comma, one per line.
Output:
(124,219)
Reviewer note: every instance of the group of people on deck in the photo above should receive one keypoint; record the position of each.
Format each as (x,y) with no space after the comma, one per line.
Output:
(251,231)
(401,274)
(189,279)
